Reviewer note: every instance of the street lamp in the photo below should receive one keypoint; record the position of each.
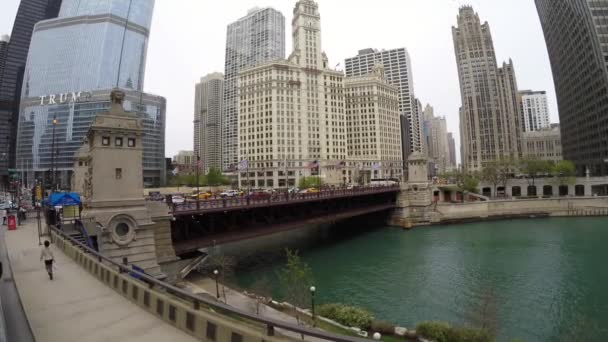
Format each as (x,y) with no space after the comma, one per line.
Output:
(377,336)
(217,287)
(312,298)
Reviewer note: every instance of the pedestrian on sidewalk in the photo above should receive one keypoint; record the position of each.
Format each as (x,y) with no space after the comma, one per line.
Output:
(47,255)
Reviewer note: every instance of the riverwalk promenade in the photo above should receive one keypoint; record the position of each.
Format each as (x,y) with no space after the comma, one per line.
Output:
(75,306)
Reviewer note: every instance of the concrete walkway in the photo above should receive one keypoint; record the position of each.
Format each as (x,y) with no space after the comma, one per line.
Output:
(238,300)
(75,306)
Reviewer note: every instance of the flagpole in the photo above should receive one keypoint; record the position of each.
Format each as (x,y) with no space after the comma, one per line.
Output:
(198,162)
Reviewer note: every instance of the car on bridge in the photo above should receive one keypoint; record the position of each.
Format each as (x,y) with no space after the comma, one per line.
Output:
(202,195)
(232,193)
(259,195)
(178,199)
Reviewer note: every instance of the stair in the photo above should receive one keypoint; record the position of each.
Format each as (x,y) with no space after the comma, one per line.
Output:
(78,237)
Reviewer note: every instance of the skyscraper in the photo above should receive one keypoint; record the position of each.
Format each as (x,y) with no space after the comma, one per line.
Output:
(373,126)
(207,120)
(534,110)
(575,33)
(103,45)
(489,115)
(452,151)
(4,39)
(436,137)
(254,39)
(398,68)
(28,14)
(291,112)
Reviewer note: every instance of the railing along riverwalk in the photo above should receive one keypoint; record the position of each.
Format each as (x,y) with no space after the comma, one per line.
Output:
(199,316)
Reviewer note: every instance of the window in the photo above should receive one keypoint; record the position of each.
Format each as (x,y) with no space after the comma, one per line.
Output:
(131,142)
(118,141)
(105,141)
(119,173)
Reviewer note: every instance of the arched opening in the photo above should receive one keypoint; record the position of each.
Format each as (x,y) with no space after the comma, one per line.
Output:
(500,192)
(563,190)
(531,190)
(547,190)
(579,190)
(487,192)
(516,191)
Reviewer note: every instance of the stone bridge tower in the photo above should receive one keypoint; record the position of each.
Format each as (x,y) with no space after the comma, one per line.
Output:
(108,173)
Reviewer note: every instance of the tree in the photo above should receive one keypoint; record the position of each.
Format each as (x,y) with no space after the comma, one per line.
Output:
(465,181)
(215,177)
(260,289)
(564,172)
(491,174)
(533,168)
(296,279)
(225,266)
(310,182)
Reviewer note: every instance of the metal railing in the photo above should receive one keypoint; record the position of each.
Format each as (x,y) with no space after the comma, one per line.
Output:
(197,301)
(276,199)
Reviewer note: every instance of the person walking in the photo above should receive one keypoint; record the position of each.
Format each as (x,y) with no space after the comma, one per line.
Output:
(47,255)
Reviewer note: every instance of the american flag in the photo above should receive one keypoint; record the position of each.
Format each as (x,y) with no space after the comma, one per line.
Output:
(243,164)
(341,164)
(376,166)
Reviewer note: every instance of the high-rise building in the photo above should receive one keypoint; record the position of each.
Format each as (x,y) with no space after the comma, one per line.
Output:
(543,144)
(185,162)
(257,38)
(489,116)
(398,68)
(207,120)
(534,110)
(4,39)
(28,14)
(452,149)
(373,127)
(575,33)
(291,112)
(436,138)
(103,45)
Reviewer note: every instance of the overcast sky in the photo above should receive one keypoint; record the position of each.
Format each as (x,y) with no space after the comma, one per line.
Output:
(188,41)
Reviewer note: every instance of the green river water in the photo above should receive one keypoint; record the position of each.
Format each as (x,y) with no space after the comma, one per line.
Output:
(535,280)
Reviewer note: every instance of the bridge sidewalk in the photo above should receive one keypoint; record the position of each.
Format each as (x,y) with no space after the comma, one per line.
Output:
(75,306)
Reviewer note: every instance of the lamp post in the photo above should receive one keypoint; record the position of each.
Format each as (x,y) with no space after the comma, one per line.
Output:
(377,336)
(198,164)
(312,299)
(53,154)
(217,286)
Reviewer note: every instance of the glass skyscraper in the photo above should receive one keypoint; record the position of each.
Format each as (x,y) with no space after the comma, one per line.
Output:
(254,39)
(73,63)
(29,13)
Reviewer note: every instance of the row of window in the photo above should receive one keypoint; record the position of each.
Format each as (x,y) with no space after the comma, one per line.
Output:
(118,141)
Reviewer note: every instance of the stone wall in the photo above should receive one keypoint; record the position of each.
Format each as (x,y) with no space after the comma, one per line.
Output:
(408,217)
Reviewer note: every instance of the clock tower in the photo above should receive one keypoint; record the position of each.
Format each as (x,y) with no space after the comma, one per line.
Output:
(306,32)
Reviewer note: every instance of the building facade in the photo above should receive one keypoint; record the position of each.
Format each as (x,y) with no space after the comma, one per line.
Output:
(4,39)
(185,162)
(489,115)
(373,127)
(398,68)
(74,116)
(103,46)
(436,139)
(575,33)
(257,38)
(291,113)
(208,101)
(28,14)
(543,144)
(534,110)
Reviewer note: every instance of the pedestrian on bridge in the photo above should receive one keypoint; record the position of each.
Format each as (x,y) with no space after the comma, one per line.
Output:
(47,255)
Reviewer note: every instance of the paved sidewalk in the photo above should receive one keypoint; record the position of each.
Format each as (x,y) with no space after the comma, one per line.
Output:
(76,306)
(241,301)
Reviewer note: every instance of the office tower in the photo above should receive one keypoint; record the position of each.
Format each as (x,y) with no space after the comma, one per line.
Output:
(4,39)
(452,151)
(373,127)
(207,120)
(257,38)
(291,112)
(398,70)
(28,14)
(534,110)
(436,138)
(575,33)
(185,162)
(489,116)
(543,144)
(103,45)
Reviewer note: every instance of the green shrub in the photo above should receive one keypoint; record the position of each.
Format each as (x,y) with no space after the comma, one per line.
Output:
(443,332)
(384,328)
(437,331)
(347,315)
